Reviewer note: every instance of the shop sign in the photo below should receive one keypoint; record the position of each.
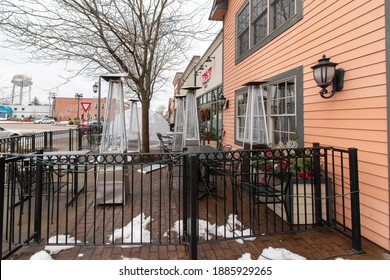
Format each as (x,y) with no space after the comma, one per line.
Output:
(206,76)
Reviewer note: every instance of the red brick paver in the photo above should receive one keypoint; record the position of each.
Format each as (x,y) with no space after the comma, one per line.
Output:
(313,245)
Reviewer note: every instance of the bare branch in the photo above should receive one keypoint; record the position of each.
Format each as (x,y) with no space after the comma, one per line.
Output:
(143,38)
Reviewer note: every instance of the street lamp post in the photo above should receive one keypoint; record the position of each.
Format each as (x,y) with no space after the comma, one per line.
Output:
(97,87)
(78,96)
(52,106)
(52,97)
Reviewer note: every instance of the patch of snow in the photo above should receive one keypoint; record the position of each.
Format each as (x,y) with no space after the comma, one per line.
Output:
(55,249)
(245,257)
(41,256)
(130,259)
(135,231)
(232,228)
(279,254)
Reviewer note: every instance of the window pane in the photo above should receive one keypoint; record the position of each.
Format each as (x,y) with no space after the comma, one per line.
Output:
(243,42)
(243,20)
(243,30)
(259,20)
(241,101)
(283,10)
(259,28)
(283,119)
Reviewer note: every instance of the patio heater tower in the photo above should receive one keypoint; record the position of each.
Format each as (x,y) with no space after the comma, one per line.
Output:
(255,128)
(113,143)
(191,121)
(179,122)
(134,140)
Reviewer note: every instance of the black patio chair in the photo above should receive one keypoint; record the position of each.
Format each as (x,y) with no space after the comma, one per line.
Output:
(269,189)
(174,163)
(221,168)
(165,140)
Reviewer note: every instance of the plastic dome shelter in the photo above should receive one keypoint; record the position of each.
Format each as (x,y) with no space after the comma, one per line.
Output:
(5,112)
(157,123)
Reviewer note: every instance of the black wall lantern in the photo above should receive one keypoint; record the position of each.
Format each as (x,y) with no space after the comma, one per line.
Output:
(325,74)
(223,102)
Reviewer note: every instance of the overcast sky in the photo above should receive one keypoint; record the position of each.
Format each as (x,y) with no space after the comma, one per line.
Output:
(49,78)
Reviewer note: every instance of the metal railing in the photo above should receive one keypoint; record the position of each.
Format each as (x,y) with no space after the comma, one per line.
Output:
(60,140)
(178,198)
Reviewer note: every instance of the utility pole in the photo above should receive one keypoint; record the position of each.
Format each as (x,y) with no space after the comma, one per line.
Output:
(78,96)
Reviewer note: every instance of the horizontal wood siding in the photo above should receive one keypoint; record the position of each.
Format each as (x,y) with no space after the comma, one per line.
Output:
(351,33)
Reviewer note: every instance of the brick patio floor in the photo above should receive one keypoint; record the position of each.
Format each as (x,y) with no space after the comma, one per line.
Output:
(313,245)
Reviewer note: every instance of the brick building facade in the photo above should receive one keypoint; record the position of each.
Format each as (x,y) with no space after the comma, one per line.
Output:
(66,108)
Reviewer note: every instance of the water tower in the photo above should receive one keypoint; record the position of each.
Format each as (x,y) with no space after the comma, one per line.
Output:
(23,82)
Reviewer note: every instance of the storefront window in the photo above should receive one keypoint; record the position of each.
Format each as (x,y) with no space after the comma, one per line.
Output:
(210,118)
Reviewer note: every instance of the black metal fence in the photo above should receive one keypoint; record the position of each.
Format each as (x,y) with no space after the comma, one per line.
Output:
(56,198)
(61,140)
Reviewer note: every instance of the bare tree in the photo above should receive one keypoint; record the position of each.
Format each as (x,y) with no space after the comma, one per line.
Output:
(143,38)
(161,110)
(36,101)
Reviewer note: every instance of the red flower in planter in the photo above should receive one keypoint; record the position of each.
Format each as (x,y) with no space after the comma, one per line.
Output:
(306,175)
(265,168)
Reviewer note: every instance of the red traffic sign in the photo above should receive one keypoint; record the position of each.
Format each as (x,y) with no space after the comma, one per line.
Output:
(86,105)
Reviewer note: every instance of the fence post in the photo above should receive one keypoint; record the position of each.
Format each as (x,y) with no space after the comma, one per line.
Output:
(2,185)
(185,195)
(355,201)
(80,138)
(13,142)
(45,139)
(38,196)
(33,142)
(317,184)
(193,168)
(70,139)
(51,139)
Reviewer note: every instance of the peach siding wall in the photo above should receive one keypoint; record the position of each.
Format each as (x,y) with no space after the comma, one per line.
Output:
(352,33)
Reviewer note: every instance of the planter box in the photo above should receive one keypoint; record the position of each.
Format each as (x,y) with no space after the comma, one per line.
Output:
(300,201)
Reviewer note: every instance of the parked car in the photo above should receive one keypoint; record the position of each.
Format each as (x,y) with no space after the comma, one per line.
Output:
(44,120)
(5,133)
(93,126)
(27,119)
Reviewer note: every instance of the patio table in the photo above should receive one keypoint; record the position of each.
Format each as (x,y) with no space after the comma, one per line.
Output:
(67,155)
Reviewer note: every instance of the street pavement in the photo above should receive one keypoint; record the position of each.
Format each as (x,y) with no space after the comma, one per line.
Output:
(30,127)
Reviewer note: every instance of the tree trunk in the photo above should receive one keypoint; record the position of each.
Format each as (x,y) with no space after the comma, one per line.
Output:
(145,129)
